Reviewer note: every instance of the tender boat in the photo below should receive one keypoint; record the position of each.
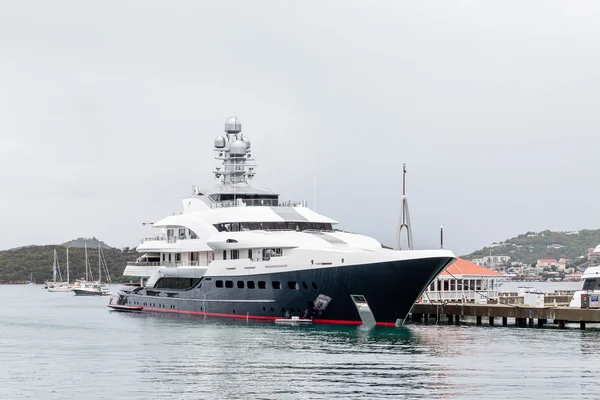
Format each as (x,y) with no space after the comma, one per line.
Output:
(238,251)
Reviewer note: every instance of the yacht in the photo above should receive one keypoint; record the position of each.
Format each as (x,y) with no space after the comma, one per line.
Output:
(590,288)
(238,251)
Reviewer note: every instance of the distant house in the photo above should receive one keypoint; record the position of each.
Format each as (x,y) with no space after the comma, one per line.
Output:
(562,263)
(555,246)
(547,262)
(573,233)
(594,256)
(463,281)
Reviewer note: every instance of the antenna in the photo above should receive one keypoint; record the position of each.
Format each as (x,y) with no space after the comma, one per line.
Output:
(404,217)
(441,237)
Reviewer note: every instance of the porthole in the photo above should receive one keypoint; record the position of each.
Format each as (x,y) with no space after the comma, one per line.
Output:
(304,285)
(314,285)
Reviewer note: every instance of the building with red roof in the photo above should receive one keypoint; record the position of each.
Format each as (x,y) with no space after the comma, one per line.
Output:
(464,281)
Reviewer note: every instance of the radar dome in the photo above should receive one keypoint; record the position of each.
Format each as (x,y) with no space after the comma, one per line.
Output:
(233,125)
(237,148)
(220,142)
(246,142)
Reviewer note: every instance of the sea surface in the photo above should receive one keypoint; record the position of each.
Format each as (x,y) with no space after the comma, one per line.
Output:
(59,346)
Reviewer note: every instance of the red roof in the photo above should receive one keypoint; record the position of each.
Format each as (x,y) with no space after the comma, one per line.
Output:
(464,267)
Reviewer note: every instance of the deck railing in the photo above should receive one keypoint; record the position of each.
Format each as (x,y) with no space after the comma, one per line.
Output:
(166,264)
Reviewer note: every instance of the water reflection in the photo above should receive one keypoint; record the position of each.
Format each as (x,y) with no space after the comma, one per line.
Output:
(55,347)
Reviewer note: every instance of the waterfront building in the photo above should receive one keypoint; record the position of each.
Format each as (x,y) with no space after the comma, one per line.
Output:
(464,281)
(594,256)
(547,262)
(489,261)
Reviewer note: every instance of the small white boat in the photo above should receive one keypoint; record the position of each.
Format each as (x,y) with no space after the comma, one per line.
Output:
(92,290)
(60,289)
(293,321)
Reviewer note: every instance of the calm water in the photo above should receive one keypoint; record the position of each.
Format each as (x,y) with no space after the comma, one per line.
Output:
(58,346)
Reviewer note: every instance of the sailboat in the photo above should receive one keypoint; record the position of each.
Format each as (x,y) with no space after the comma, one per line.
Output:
(95,288)
(30,281)
(60,286)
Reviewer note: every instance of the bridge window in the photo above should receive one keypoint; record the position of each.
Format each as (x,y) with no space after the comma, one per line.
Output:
(589,284)
(280,225)
(176,283)
(235,254)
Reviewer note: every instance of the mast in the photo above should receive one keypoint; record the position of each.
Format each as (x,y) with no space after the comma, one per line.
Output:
(67,265)
(99,264)
(405,217)
(86,263)
(54,267)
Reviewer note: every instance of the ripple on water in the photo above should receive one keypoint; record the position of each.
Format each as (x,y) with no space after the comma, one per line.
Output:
(57,346)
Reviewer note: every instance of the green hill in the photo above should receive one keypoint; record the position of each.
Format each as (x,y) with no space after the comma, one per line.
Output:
(17,265)
(529,247)
(90,242)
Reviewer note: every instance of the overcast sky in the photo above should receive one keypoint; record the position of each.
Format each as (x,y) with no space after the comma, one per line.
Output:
(108,111)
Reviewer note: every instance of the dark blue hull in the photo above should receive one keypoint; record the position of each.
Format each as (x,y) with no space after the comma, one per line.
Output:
(390,288)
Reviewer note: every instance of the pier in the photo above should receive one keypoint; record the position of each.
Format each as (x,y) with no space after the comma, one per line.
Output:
(523,316)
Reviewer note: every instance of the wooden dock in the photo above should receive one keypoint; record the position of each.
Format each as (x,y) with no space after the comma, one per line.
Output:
(523,315)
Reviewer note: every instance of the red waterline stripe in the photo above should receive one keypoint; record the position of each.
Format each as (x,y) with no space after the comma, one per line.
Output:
(264,318)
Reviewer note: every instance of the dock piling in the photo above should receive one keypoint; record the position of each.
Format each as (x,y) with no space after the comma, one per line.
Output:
(504,321)
(491,320)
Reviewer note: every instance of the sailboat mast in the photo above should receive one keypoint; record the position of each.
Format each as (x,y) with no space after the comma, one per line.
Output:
(99,264)
(54,267)
(68,265)
(86,263)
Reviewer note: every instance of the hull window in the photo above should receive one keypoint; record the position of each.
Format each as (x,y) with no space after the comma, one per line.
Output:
(250,284)
(262,285)
(276,284)
(229,284)
(240,284)
(219,283)
(293,285)
(314,285)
